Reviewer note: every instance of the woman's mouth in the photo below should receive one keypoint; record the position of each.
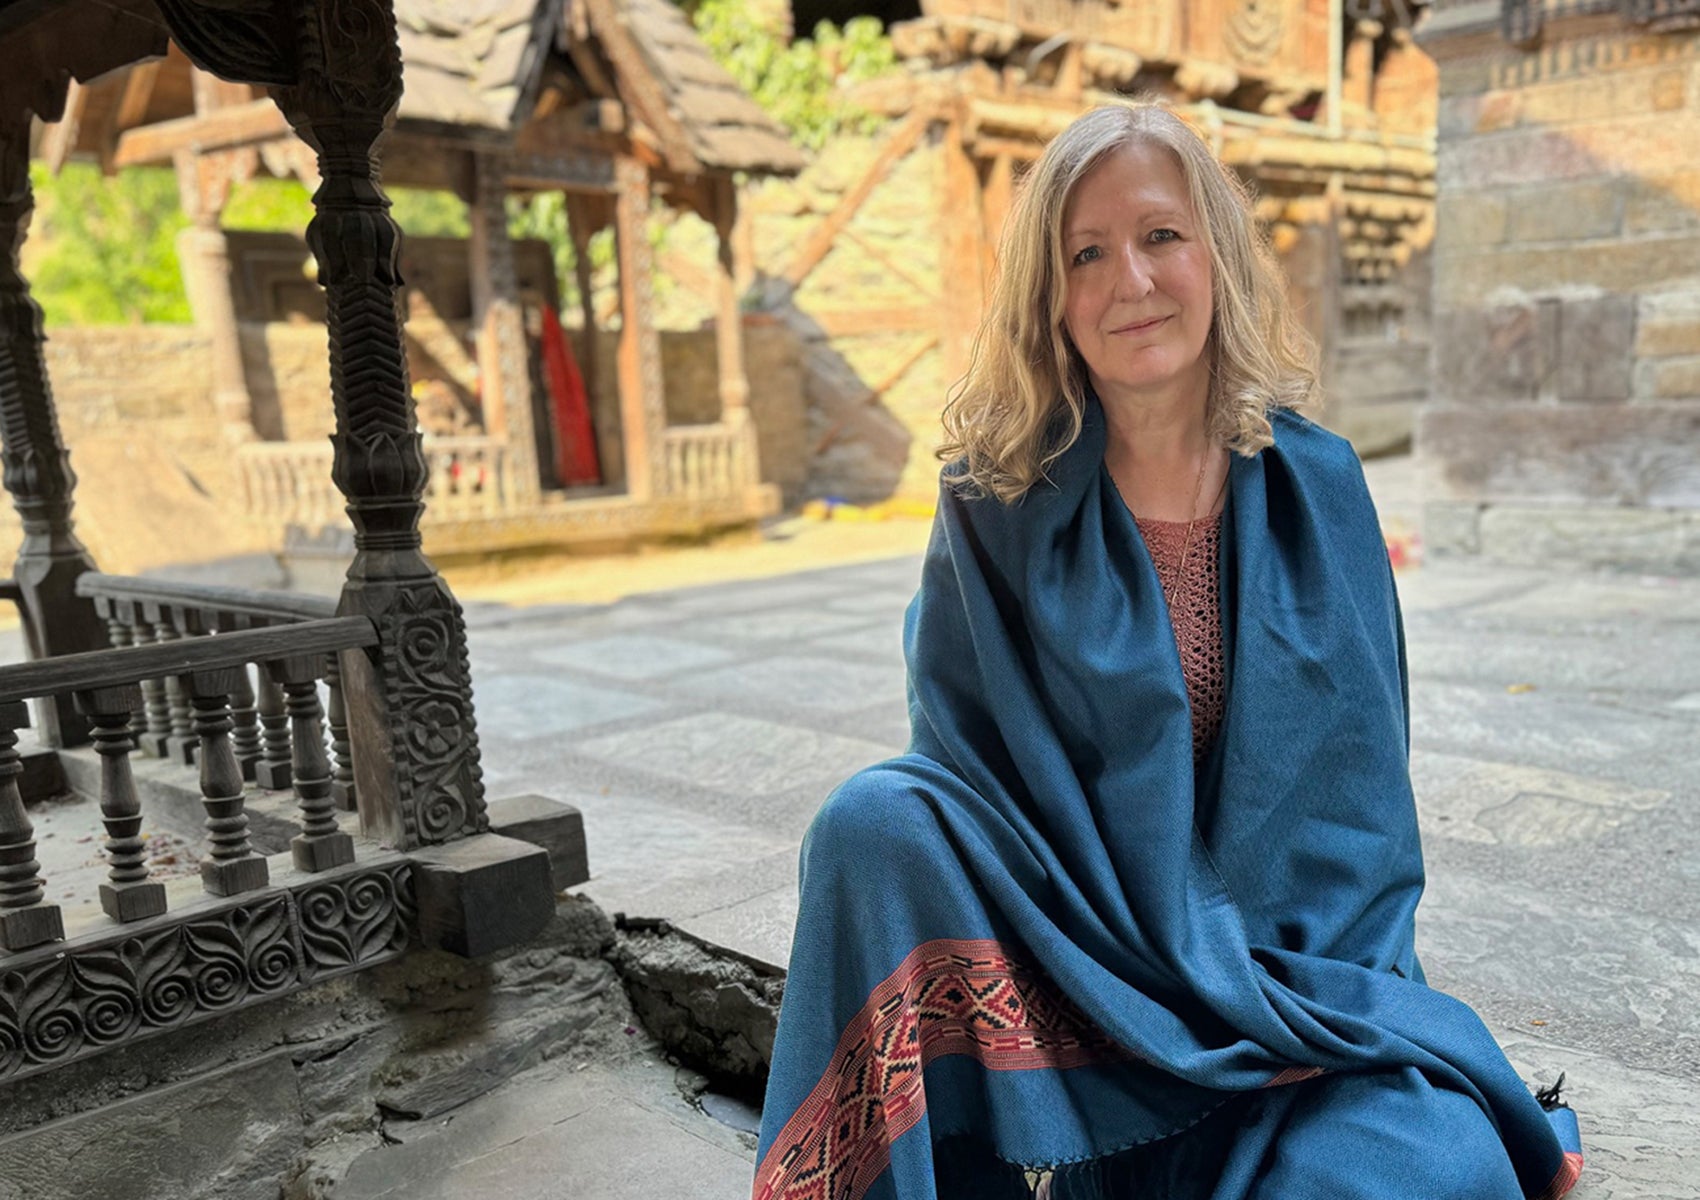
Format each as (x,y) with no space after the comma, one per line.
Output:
(1141,326)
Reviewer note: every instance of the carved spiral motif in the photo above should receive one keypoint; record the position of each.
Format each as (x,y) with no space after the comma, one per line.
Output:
(110,1017)
(347,924)
(323,917)
(219,980)
(166,999)
(272,967)
(424,646)
(371,909)
(105,988)
(442,813)
(53,1033)
(11,1043)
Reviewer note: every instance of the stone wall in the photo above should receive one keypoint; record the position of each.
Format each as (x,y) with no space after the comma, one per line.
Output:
(155,479)
(690,377)
(1565,411)
(875,373)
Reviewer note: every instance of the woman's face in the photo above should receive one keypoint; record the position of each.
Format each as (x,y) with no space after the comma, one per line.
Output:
(1138,304)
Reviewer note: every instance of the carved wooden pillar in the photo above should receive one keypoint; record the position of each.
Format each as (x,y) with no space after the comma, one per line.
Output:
(729,320)
(37,469)
(643,411)
(409,699)
(960,232)
(504,374)
(203,182)
(998,196)
(1357,97)
(580,227)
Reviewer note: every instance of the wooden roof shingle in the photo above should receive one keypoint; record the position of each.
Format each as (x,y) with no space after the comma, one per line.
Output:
(724,128)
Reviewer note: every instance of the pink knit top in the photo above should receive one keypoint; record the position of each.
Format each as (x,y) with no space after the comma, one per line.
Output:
(1194,615)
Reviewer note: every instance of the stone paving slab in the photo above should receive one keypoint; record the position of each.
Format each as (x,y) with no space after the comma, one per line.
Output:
(562,1131)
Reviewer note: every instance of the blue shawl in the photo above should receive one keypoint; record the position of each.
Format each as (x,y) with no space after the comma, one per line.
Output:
(1044,934)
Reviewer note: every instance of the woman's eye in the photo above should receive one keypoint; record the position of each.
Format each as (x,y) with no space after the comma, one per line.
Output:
(1089,254)
(1172,235)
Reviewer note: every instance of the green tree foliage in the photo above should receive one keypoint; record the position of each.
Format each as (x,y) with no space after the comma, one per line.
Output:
(801,84)
(102,250)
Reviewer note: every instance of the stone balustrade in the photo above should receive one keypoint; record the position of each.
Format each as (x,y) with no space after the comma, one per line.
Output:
(289,483)
(709,461)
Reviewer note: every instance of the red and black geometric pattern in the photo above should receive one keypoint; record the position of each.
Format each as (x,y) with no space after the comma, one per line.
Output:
(947,997)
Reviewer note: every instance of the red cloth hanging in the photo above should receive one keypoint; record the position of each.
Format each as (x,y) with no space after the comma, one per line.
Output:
(575,438)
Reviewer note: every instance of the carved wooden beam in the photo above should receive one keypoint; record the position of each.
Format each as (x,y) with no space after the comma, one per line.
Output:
(637,363)
(819,240)
(138,93)
(237,125)
(60,138)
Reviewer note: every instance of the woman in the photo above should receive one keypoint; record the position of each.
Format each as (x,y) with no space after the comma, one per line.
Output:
(1133,917)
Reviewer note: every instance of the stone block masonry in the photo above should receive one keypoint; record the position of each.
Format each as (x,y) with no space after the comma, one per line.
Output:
(1566,368)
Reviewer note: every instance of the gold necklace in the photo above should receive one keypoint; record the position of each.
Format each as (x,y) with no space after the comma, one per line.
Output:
(1192,520)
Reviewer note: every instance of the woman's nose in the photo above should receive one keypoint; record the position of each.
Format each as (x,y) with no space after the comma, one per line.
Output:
(1133,275)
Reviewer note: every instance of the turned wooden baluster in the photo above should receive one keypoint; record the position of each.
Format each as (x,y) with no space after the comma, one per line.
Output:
(24,920)
(319,845)
(342,773)
(233,866)
(245,732)
(129,895)
(272,770)
(180,742)
(120,622)
(154,697)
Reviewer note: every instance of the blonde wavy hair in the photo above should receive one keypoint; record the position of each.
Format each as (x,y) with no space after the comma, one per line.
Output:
(1022,402)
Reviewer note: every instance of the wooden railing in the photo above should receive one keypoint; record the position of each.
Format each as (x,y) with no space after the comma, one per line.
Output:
(163,956)
(141,612)
(709,461)
(289,483)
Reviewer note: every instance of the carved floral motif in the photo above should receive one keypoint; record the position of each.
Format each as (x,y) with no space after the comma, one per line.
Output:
(59,1006)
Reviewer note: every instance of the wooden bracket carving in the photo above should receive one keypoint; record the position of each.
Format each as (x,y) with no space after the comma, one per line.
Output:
(244,40)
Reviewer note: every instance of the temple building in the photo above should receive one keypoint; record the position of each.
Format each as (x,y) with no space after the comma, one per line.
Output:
(880,254)
(613,103)
(1564,422)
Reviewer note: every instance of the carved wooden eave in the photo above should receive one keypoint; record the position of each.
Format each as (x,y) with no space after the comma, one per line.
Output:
(1074,48)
